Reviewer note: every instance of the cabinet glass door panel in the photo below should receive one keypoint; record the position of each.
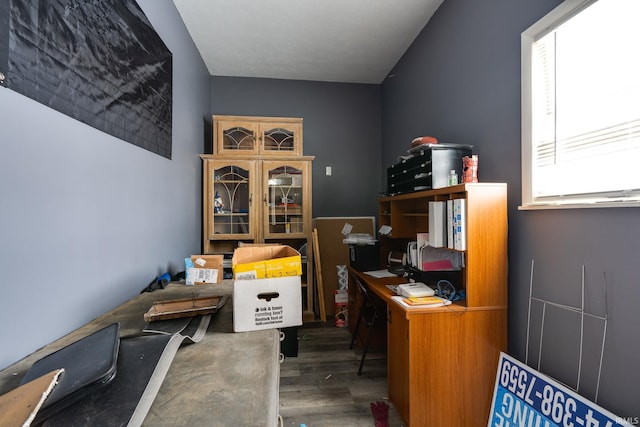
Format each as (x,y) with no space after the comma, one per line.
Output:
(284,200)
(231,201)
(278,139)
(238,138)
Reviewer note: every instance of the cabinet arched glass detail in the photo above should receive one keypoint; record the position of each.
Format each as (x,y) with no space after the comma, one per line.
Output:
(278,139)
(238,138)
(284,200)
(230,200)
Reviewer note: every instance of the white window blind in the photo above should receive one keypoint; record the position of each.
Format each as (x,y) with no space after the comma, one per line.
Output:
(581,121)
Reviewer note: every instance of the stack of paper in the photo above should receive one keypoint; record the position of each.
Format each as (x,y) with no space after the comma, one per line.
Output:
(427,301)
(416,289)
(421,302)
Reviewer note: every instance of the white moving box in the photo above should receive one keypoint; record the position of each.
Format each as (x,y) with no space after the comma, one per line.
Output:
(267,303)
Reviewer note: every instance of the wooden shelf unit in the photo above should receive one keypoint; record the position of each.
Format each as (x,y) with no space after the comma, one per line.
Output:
(442,361)
(484,277)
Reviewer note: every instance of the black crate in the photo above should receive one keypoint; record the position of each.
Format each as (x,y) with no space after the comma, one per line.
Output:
(289,343)
(364,257)
(429,168)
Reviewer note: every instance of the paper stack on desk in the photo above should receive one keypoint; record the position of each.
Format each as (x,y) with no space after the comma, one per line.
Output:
(416,289)
(421,302)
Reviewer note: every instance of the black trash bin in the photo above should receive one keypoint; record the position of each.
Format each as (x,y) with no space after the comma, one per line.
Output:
(289,344)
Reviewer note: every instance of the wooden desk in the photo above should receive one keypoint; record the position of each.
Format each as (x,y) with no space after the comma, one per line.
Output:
(441,361)
(225,379)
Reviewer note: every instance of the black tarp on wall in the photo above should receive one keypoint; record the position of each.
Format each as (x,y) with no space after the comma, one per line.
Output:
(98,61)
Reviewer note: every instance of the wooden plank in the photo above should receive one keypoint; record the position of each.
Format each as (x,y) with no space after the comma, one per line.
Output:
(333,252)
(20,406)
(309,315)
(187,307)
(316,257)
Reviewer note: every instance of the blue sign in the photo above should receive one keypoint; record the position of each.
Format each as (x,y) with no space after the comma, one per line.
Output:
(524,397)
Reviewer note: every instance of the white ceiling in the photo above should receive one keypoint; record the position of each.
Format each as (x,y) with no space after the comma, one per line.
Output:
(351,41)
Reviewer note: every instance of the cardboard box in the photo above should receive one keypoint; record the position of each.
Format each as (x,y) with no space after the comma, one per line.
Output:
(207,269)
(263,262)
(267,303)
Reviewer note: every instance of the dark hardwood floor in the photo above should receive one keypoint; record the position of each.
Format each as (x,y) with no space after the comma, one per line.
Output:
(321,386)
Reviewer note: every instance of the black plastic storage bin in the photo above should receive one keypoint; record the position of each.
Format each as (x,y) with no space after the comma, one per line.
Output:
(364,257)
(289,344)
(429,168)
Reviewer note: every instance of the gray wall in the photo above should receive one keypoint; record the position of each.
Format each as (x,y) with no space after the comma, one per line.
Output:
(341,129)
(460,81)
(88,220)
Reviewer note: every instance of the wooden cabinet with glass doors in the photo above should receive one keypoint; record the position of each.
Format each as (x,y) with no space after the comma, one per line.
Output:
(254,193)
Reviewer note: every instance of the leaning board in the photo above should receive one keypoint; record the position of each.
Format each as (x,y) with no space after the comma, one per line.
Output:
(333,252)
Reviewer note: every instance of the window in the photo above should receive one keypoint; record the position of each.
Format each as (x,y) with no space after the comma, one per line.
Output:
(581,106)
